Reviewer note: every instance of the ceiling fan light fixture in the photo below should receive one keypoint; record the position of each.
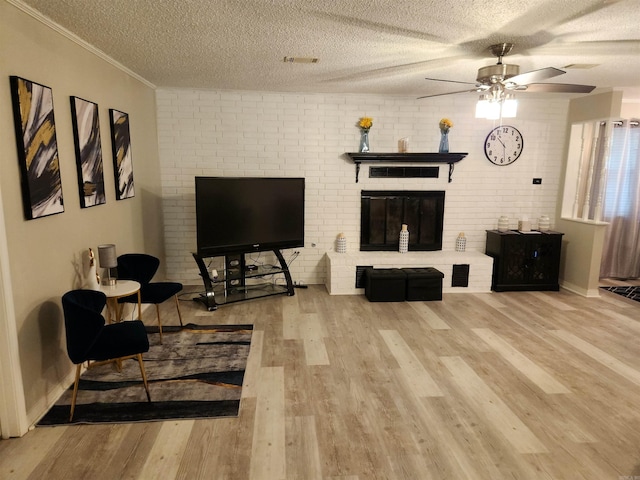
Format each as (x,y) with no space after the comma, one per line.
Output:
(496,82)
(497,73)
(509,107)
(482,107)
(493,112)
(487,107)
(494,107)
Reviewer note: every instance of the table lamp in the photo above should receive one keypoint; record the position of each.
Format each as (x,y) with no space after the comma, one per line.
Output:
(107,259)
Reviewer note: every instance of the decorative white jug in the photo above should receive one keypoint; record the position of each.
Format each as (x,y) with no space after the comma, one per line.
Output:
(341,243)
(92,279)
(404,239)
(503,224)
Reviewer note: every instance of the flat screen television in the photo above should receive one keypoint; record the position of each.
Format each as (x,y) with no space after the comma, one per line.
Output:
(248,214)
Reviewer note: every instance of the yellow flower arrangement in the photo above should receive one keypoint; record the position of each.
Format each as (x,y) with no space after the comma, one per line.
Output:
(445,124)
(365,123)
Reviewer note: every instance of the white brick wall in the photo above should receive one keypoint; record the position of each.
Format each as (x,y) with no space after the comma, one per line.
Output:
(232,133)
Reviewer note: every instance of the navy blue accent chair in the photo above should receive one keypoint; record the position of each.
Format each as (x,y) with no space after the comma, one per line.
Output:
(141,268)
(90,339)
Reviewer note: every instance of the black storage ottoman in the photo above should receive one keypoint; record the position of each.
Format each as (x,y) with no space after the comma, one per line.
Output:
(385,284)
(424,284)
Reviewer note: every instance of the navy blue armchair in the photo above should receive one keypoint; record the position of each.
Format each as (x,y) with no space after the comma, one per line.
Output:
(90,339)
(141,268)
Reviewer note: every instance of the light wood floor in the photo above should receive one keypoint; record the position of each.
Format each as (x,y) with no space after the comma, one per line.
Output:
(527,385)
(622,282)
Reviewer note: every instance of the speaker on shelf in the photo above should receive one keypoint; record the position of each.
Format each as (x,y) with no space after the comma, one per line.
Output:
(234,265)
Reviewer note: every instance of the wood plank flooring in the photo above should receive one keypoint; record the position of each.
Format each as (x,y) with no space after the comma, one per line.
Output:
(518,385)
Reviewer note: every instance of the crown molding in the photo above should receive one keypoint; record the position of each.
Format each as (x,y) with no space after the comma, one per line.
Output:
(77,40)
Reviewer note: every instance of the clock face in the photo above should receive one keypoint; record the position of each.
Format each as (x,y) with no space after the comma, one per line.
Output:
(503,145)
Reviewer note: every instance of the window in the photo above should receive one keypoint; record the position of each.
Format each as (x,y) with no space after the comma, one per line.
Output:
(623,170)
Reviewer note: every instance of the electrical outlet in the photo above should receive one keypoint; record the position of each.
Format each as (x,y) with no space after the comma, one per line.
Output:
(537,181)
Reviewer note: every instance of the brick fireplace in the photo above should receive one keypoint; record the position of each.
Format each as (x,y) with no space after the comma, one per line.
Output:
(382,214)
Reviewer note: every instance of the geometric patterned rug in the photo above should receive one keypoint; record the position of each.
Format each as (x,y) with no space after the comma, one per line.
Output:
(196,373)
(630,292)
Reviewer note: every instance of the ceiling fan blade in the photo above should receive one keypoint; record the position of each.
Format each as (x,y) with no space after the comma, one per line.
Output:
(559,88)
(450,81)
(448,93)
(536,75)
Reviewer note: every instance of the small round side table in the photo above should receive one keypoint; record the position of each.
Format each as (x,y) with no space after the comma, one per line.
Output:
(122,288)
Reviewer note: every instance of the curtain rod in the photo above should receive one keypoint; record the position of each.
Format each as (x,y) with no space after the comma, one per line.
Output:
(620,123)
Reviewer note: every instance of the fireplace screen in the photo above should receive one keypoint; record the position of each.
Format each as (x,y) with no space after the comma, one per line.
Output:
(383,212)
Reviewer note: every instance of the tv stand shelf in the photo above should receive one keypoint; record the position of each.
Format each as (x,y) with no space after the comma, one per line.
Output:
(239,283)
(368,157)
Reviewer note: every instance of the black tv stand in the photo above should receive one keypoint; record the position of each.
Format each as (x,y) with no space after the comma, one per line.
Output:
(235,283)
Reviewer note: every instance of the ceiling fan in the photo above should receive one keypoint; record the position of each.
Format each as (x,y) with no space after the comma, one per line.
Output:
(496,82)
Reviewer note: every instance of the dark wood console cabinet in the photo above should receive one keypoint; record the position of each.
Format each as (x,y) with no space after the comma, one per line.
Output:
(524,261)
(240,282)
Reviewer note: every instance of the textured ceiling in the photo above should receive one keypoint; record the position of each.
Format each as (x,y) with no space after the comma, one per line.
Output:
(373,46)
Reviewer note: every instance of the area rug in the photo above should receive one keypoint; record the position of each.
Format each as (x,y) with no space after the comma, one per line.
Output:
(630,292)
(196,373)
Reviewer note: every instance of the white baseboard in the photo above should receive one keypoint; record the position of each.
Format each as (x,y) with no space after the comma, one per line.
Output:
(585,292)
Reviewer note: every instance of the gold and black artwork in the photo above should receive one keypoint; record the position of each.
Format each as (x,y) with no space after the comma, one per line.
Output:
(122,161)
(86,135)
(37,148)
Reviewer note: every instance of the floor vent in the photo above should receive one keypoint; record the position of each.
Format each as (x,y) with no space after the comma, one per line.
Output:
(404,172)
(460,276)
(360,275)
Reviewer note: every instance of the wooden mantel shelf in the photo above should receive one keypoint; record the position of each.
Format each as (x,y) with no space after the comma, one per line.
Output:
(370,157)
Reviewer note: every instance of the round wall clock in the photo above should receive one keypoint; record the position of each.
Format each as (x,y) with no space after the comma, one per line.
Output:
(503,145)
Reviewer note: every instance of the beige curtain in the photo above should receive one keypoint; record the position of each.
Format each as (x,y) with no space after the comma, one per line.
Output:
(621,253)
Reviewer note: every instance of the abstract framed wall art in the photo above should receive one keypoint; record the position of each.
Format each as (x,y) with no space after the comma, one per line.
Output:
(86,137)
(122,161)
(37,148)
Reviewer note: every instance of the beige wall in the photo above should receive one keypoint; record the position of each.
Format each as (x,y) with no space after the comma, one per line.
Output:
(583,241)
(43,253)
(594,107)
(581,256)
(630,110)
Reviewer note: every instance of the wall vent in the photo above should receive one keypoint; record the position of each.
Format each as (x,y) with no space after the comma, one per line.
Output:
(404,172)
(301,60)
(360,275)
(460,276)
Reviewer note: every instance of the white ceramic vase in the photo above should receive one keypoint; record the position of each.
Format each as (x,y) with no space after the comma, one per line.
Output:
(341,243)
(544,224)
(404,240)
